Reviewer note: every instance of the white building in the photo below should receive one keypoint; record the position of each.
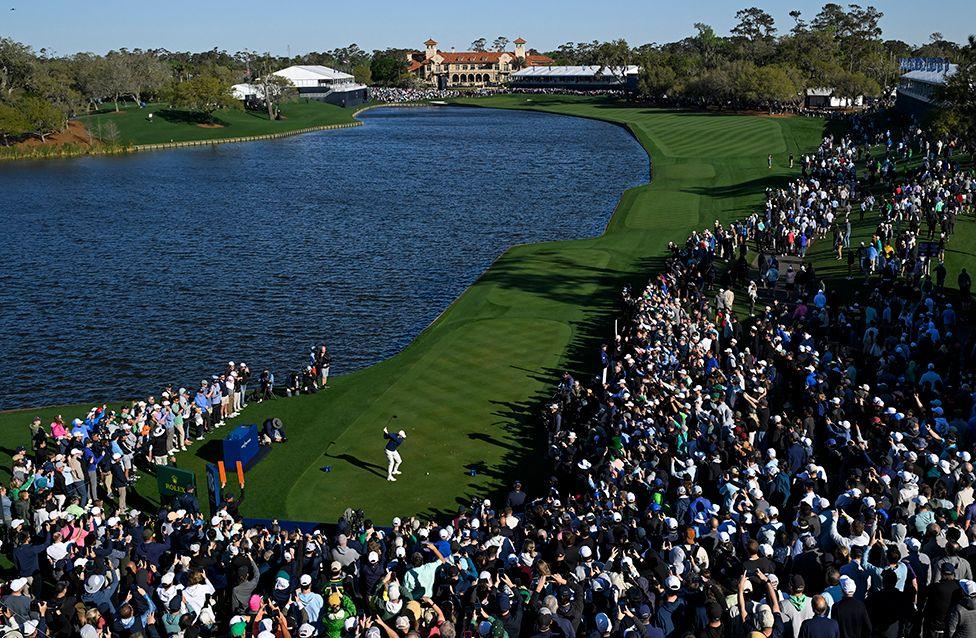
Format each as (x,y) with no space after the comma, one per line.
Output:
(313,82)
(822,97)
(580,78)
(918,89)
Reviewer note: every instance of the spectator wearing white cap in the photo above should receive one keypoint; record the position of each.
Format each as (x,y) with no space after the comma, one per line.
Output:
(850,612)
(962,617)
(309,601)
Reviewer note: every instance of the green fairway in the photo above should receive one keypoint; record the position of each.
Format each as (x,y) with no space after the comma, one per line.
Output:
(168,125)
(468,390)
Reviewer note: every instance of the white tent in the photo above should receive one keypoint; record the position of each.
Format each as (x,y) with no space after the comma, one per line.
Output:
(244,91)
(304,76)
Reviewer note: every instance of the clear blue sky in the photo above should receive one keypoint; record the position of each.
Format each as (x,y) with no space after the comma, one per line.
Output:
(64,26)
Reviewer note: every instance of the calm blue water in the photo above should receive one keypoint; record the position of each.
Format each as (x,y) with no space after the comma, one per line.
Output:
(121,274)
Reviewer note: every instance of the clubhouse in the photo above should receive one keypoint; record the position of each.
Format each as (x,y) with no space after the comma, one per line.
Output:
(470,69)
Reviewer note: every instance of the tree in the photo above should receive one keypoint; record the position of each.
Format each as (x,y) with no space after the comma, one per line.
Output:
(799,24)
(276,90)
(362,73)
(479,44)
(500,44)
(613,57)
(854,84)
(754,24)
(43,118)
(832,18)
(16,62)
(118,77)
(772,85)
(388,67)
(86,78)
(657,78)
(706,41)
(53,81)
(958,111)
(204,93)
(151,75)
(13,123)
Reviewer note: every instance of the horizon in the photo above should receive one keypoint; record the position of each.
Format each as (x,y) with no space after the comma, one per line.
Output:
(60,28)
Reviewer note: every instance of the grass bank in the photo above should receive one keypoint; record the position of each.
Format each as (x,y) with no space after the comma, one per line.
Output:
(467,390)
(132,126)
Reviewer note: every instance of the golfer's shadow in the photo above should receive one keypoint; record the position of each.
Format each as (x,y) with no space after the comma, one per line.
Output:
(372,468)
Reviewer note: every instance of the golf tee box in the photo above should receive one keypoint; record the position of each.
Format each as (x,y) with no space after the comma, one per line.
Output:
(241,445)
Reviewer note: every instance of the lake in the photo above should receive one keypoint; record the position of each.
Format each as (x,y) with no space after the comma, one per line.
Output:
(119,275)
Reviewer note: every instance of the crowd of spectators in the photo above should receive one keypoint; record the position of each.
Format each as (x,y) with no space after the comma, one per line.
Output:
(394,95)
(805,470)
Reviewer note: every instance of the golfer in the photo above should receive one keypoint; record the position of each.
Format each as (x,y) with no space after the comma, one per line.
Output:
(393,441)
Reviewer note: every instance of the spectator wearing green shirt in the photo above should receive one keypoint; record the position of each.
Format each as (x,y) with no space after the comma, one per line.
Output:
(339,609)
(418,582)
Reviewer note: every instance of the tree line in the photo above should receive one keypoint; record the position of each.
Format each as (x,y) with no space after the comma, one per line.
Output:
(757,65)
(39,93)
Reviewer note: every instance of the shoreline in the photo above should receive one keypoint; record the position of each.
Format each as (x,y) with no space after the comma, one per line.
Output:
(68,153)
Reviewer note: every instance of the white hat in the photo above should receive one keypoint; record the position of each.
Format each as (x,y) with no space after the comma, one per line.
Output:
(30,627)
(17,584)
(968,587)
(305,580)
(307,631)
(585,551)
(17,522)
(281,583)
(95,583)
(373,557)
(167,578)
(848,585)
(672,583)
(723,537)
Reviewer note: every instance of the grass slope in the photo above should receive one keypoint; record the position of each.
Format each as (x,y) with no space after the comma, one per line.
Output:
(467,390)
(170,125)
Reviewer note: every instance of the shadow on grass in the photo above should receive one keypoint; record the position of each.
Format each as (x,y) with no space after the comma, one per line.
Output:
(174,116)
(372,468)
(751,187)
(211,451)
(522,425)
